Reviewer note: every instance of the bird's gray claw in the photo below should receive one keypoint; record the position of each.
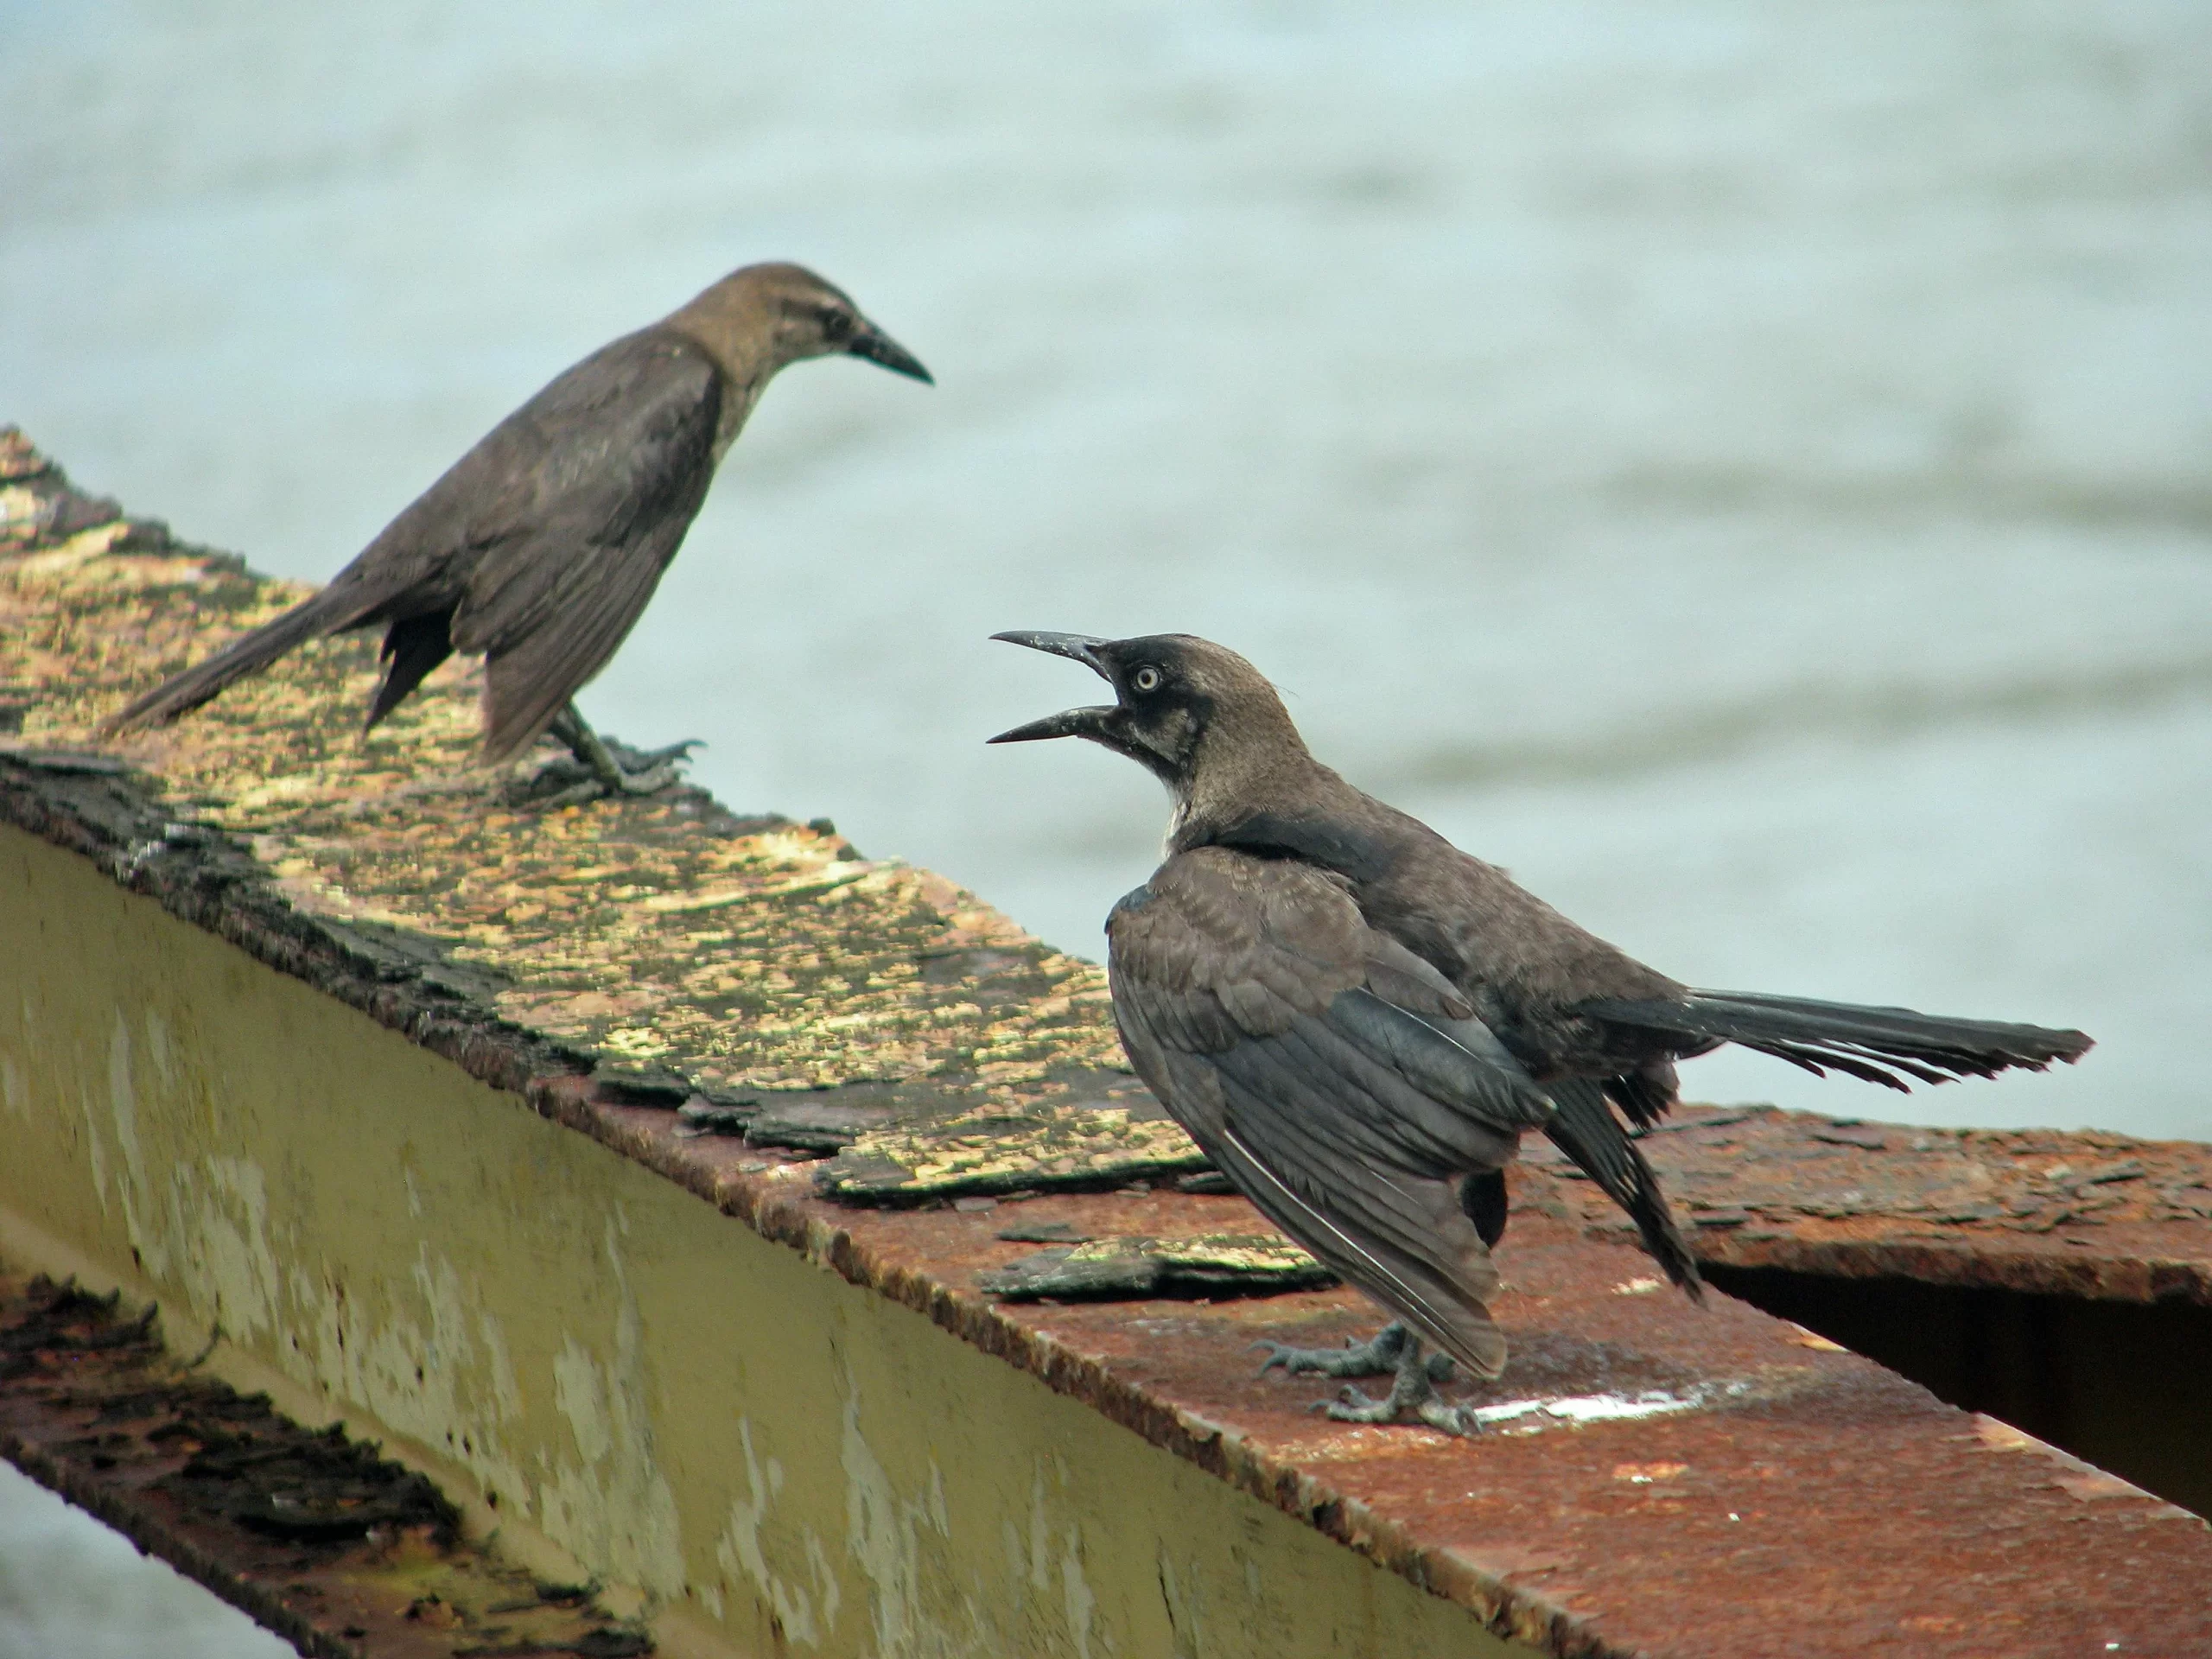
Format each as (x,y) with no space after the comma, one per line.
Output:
(649,780)
(611,768)
(575,795)
(1351,1360)
(1456,1421)
(1393,1351)
(1377,1356)
(1353,1407)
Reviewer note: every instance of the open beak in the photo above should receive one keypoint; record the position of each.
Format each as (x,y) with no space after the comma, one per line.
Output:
(1074,722)
(872,343)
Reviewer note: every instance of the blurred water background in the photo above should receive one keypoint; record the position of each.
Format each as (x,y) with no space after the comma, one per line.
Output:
(1744,469)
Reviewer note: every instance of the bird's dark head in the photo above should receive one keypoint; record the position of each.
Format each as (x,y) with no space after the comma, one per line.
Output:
(1200,717)
(779,313)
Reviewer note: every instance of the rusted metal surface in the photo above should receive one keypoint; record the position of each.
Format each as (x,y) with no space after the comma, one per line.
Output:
(2092,1215)
(318,1538)
(1593,1516)
(1654,1478)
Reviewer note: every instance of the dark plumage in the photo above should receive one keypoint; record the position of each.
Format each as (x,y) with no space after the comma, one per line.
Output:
(1356,1021)
(540,547)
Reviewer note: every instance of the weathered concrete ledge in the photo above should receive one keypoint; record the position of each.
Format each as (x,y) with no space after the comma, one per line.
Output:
(296,1028)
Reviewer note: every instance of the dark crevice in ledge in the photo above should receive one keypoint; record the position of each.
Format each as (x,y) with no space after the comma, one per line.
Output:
(2126,1386)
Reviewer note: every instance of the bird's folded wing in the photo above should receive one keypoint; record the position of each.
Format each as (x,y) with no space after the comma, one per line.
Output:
(582,497)
(1266,969)
(1338,1081)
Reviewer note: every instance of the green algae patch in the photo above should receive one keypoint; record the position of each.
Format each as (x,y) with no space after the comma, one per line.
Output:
(739,954)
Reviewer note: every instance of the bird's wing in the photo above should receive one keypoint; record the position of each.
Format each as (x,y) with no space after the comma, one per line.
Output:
(1520,963)
(1335,1077)
(572,507)
(1520,967)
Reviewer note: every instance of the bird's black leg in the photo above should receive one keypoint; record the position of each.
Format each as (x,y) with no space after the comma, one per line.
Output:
(1413,1391)
(1377,1356)
(608,775)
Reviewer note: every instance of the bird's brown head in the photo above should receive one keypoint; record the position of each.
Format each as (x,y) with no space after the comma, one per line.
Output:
(1199,716)
(762,317)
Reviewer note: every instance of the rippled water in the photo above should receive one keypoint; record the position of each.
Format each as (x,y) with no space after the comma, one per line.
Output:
(70,1589)
(1744,469)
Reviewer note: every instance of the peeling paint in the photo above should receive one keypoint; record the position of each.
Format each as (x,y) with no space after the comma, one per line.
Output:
(229,1266)
(1081,1604)
(884,1536)
(616,1507)
(804,1613)
(954,1505)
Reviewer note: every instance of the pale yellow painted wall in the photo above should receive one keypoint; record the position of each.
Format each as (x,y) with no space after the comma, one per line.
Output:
(761,1450)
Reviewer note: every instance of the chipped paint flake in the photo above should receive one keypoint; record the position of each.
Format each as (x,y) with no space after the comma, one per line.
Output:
(805,1612)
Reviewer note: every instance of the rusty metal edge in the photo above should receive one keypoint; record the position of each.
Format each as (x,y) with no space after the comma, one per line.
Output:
(798,1222)
(1971,1263)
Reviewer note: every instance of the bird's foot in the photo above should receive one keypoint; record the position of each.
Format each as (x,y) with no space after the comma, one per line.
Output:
(648,771)
(1412,1398)
(595,768)
(1379,1356)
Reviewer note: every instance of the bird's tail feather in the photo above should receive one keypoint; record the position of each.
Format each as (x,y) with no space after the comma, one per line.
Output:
(1875,1044)
(1585,1128)
(248,654)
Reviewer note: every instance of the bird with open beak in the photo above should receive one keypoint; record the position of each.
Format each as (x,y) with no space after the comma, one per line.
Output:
(1356,1021)
(540,547)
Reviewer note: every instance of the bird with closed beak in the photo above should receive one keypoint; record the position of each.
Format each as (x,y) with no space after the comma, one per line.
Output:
(540,547)
(1356,1021)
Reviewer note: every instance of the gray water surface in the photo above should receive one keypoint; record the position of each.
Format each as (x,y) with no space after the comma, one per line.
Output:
(71,1589)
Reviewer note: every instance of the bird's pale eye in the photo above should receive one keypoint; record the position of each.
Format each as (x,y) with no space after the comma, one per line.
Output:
(1145,678)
